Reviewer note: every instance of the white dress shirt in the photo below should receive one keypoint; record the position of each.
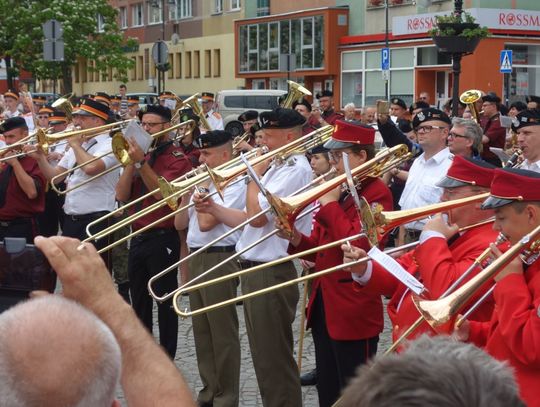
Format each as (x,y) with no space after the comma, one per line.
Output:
(420,188)
(531,166)
(234,197)
(214,119)
(99,194)
(283,179)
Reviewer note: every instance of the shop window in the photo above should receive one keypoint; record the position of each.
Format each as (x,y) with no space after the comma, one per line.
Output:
(401,58)
(430,56)
(352,90)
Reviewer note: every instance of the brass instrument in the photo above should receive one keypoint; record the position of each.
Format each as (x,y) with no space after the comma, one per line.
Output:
(514,160)
(470,97)
(239,140)
(440,314)
(193,103)
(63,103)
(296,92)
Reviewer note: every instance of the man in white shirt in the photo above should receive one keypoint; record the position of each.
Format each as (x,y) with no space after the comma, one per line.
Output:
(217,343)
(432,127)
(214,119)
(95,198)
(527,126)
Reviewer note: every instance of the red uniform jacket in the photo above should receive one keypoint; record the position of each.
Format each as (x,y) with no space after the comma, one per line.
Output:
(496,134)
(437,266)
(17,205)
(169,164)
(330,116)
(349,315)
(513,334)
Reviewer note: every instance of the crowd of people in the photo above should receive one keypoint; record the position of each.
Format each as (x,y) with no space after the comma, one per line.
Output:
(466,163)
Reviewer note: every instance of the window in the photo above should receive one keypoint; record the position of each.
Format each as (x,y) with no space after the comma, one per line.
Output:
(178,66)
(524,79)
(188,65)
(100,23)
(179,9)
(263,7)
(196,64)
(123,17)
(218,6)
(138,15)
(146,63)
(155,12)
(207,63)
(170,73)
(235,4)
(217,63)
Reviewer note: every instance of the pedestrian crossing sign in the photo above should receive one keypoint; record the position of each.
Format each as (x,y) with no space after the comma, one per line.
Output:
(506,61)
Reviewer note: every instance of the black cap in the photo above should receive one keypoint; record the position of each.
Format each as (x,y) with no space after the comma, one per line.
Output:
(420,104)
(13,123)
(320,149)
(90,107)
(254,129)
(214,138)
(532,98)
(103,98)
(399,102)
(525,118)
(207,97)
(519,105)
(302,102)
(162,111)
(491,97)
(431,114)
(58,117)
(281,118)
(248,115)
(189,114)
(325,93)
(405,125)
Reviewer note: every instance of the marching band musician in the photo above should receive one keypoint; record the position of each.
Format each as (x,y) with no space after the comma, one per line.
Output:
(132,108)
(188,148)
(345,326)
(22,187)
(158,247)
(512,335)
(94,199)
(325,114)
(213,118)
(43,116)
(11,102)
(216,337)
(494,133)
(442,256)
(527,127)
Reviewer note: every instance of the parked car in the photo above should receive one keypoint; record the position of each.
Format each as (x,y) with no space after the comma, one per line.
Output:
(145,98)
(231,103)
(51,97)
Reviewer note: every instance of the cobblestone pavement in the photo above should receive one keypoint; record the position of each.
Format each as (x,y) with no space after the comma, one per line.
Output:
(249,392)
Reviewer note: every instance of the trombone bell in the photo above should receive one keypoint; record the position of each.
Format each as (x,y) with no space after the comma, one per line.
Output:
(470,97)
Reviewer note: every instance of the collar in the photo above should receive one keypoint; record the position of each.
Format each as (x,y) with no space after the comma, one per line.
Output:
(439,157)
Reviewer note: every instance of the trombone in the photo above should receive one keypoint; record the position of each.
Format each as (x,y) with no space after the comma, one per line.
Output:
(193,103)
(120,149)
(440,314)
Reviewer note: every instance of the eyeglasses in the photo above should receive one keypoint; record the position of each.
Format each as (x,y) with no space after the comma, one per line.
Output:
(428,129)
(454,135)
(149,124)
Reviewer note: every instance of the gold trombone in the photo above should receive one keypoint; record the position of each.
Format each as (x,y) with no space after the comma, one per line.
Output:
(470,97)
(193,103)
(296,91)
(239,140)
(441,313)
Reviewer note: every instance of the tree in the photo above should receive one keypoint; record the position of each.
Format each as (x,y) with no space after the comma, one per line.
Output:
(21,38)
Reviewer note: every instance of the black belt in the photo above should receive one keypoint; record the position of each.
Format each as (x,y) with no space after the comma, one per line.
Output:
(152,233)
(215,249)
(246,264)
(86,216)
(18,221)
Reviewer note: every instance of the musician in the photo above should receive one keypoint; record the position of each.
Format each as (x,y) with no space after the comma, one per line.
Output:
(158,247)
(103,98)
(11,103)
(22,186)
(216,333)
(344,337)
(132,107)
(248,119)
(325,113)
(43,116)
(442,256)
(512,334)
(213,118)
(303,107)
(39,102)
(527,127)
(188,148)
(533,102)
(94,199)
(494,133)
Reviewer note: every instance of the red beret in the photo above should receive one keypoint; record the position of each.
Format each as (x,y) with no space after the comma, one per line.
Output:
(513,184)
(468,171)
(347,134)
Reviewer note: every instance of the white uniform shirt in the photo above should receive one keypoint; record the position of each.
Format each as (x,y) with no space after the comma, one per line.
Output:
(99,194)
(420,188)
(214,120)
(531,166)
(234,197)
(282,180)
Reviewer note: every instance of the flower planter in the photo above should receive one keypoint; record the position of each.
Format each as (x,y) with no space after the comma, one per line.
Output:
(457,28)
(456,44)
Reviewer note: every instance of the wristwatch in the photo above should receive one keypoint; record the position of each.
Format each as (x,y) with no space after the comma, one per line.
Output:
(139,164)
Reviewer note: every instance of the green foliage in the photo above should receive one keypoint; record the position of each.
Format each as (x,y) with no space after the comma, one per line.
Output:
(462,26)
(21,37)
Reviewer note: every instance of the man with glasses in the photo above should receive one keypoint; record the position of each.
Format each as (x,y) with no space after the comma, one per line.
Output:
(494,133)
(432,127)
(158,247)
(465,138)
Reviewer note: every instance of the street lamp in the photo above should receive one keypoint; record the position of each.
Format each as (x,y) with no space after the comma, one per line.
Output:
(164,68)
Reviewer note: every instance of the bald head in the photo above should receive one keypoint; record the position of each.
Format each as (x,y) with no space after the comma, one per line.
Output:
(53,349)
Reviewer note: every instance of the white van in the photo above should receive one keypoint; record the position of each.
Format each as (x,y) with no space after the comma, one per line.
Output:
(232,103)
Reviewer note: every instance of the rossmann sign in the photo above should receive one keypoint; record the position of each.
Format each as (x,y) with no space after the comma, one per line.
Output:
(497,19)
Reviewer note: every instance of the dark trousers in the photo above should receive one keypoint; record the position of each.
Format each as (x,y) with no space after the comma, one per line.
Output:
(53,216)
(336,360)
(75,226)
(150,253)
(24,227)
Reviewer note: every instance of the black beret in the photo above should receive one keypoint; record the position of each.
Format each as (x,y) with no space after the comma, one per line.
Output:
(189,114)
(399,102)
(281,118)
(525,118)
(162,111)
(302,102)
(248,115)
(533,98)
(320,149)
(214,138)
(491,97)
(519,106)
(420,104)
(13,123)
(405,125)
(431,114)
(325,93)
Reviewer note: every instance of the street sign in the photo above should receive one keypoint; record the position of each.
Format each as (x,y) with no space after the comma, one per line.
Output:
(52,30)
(385,59)
(160,53)
(53,50)
(506,61)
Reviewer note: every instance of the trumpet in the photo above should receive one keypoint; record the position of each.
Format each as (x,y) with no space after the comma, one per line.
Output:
(470,97)
(296,92)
